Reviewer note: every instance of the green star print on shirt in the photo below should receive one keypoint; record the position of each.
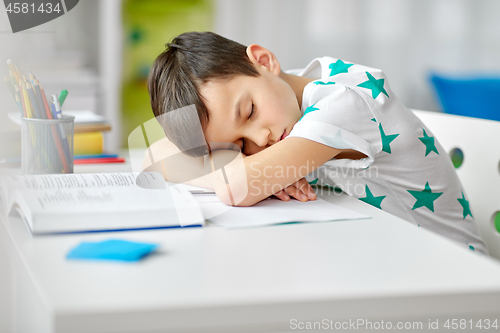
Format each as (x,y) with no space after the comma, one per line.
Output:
(376,86)
(465,205)
(372,200)
(428,141)
(323,83)
(310,108)
(313,182)
(386,139)
(339,67)
(425,198)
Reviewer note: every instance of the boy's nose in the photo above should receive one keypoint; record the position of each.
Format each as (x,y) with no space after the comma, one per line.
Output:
(262,139)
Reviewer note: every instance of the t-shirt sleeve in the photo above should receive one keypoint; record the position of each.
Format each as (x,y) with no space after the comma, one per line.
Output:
(339,117)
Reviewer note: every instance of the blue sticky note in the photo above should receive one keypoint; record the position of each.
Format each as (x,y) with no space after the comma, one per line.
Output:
(111,249)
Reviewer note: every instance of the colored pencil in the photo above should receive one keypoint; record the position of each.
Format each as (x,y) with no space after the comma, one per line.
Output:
(25,114)
(99,160)
(34,102)
(15,72)
(18,102)
(45,103)
(32,78)
(29,114)
(43,112)
(81,157)
(39,107)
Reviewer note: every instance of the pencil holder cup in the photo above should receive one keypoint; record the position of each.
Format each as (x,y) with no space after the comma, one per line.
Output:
(47,145)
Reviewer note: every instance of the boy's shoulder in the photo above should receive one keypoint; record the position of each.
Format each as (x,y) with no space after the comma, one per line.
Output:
(331,69)
(342,81)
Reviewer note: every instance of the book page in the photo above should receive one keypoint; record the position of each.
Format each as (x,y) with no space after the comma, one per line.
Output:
(119,200)
(28,183)
(83,180)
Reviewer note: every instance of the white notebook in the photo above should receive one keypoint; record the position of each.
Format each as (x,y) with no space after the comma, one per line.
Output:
(270,211)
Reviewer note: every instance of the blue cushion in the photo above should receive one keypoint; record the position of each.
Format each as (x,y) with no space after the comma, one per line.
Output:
(472,96)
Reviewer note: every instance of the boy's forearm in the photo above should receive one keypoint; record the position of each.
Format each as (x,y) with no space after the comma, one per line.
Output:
(164,157)
(248,180)
(241,180)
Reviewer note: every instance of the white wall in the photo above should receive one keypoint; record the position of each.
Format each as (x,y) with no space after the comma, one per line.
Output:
(79,51)
(404,38)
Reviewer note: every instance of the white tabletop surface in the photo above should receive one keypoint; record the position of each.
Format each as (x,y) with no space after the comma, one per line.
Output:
(252,280)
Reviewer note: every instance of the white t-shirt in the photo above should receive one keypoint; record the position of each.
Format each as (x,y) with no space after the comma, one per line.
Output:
(406,172)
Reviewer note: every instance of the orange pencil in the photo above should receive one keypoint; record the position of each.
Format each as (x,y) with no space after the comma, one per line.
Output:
(45,103)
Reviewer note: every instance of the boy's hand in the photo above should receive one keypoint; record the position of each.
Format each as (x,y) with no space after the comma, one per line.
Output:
(300,190)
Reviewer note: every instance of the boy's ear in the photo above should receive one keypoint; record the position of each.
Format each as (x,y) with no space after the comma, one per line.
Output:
(261,56)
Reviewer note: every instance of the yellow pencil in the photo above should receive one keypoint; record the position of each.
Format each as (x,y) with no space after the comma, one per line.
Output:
(29,114)
(27,101)
(20,94)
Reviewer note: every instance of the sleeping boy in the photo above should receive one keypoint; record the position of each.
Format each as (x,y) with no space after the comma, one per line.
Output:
(332,123)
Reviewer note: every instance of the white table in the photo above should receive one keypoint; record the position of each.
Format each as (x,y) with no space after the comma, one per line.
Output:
(255,280)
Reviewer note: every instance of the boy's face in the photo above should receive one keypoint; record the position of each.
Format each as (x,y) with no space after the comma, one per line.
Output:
(252,112)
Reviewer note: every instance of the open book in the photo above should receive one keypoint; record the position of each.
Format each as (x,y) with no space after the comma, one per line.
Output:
(100,201)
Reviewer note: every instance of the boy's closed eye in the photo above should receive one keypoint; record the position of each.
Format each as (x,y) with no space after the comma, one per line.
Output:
(246,145)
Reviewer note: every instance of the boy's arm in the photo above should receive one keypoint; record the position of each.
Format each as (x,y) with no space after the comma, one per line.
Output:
(269,170)
(175,166)
(179,168)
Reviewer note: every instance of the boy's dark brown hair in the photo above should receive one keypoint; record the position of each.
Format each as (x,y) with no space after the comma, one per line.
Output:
(189,61)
